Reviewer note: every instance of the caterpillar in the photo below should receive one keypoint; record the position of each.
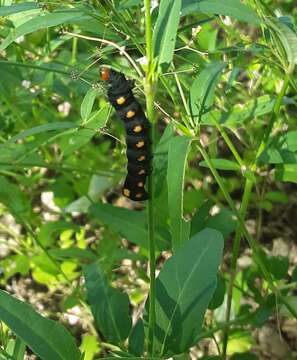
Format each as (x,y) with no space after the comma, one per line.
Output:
(120,96)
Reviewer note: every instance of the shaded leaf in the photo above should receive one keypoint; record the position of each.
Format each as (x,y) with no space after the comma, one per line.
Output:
(47,338)
(127,223)
(286,173)
(281,149)
(136,338)
(109,306)
(14,199)
(184,289)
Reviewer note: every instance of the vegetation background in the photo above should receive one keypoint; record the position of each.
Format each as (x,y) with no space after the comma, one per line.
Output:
(218,81)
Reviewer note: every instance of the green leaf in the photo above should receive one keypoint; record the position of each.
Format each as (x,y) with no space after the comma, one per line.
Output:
(288,38)
(224,222)
(244,356)
(165,31)
(233,8)
(47,338)
(14,199)
(82,136)
(16,348)
(177,159)
(136,338)
(222,164)
(87,103)
(43,21)
(51,229)
(127,223)
(126,4)
(278,266)
(89,346)
(202,91)
(73,253)
(43,128)
(109,306)
(184,289)
(241,113)
(281,149)
(219,294)
(286,173)
(131,358)
(16,8)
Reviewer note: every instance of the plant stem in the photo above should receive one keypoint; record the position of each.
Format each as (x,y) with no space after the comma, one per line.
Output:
(273,118)
(235,252)
(149,88)
(228,142)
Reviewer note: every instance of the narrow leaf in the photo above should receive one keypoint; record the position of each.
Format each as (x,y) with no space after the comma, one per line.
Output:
(109,306)
(233,8)
(43,128)
(288,38)
(14,199)
(136,338)
(87,103)
(41,22)
(184,289)
(241,113)
(222,164)
(165,31)
(95,121)
(202,91)
(16,8)
(47,338)
(177,159)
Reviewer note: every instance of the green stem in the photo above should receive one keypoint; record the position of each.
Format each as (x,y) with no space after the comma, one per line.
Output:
(74,50)
(220,326)
(229,142)
(61,167)
(235,253)
(149,87)
(273,118)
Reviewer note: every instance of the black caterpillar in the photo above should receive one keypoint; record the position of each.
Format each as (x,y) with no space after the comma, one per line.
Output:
(121,97)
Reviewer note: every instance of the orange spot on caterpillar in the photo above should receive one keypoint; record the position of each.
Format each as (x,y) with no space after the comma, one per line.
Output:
(140,144)
(121,100)
(138,196)
(130,114)
(137,129)
(141,172)
(141,158)
(140,184)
